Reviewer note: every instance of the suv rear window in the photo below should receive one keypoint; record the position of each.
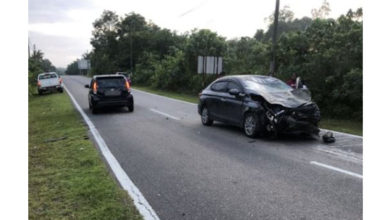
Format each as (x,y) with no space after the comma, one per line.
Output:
(47,76)
(111,82)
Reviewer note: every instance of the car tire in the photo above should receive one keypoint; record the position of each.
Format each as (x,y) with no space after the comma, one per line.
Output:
(131,107)
(205,117)
(40,92)
(251,125)
(61,90)
(93,108)
(262,126)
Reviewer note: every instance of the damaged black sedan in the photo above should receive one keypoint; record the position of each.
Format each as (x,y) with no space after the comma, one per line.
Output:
(261,105)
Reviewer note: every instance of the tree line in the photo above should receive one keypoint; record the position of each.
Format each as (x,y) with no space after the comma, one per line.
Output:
(325,52)
(38,64)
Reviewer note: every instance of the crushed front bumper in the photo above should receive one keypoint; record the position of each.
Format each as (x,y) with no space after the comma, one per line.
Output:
(290,125)
(301,120)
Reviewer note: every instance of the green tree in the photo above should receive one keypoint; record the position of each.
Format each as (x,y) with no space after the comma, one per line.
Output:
(72,69)
(38,64)
(203,43)
(322,12)
(104,42)
(327,53)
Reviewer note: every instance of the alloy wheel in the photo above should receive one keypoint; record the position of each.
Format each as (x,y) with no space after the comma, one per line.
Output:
(250,125)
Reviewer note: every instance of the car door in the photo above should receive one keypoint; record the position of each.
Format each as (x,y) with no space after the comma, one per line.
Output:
(214,101)
(232,104)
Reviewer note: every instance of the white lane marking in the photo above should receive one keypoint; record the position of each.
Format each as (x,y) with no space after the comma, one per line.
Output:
(139,200)
(337,169)
(176,100)
(164,114)
(350,156)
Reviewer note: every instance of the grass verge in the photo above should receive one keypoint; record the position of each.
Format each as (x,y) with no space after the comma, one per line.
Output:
(347,126)
(67,177)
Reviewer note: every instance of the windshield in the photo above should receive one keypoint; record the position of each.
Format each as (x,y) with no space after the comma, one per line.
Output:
(111,82)
(266,83)
(47,76)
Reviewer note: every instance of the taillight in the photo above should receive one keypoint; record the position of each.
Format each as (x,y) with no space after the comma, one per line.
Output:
(60,81)
(127,85)
(94,87)
(39,83)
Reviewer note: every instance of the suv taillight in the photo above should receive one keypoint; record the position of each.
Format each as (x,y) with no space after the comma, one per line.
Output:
(94,87)
(60,81)
(127,85)
(39,83)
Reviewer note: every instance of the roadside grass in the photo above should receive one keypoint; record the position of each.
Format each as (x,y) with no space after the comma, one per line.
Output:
(347,126)
(67,177)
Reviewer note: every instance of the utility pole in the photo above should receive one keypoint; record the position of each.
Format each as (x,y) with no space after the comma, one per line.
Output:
(131,46)
(29,48)
(273,61)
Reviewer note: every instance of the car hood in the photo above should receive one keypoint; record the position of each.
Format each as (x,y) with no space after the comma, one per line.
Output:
(288,99)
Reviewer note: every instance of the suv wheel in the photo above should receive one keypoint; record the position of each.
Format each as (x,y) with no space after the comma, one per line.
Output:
(251,125)
(92,108)
(131,107)
(205,117)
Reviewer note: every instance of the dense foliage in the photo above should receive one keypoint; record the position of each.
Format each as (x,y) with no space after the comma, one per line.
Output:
(38,64)
(327,53)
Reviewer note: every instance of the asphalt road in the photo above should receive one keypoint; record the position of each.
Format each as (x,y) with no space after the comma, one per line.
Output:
(188,171)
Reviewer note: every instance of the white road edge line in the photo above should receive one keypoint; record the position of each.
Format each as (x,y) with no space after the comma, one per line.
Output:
(337,169)
(164,114)
(139,200)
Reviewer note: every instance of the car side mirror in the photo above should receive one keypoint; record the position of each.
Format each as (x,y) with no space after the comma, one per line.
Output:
(86,86)
(234,92)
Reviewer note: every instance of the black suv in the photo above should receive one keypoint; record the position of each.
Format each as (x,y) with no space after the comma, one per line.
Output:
(109,90)
(262,105)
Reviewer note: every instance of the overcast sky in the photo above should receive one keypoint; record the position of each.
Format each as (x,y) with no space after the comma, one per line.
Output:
(62,28)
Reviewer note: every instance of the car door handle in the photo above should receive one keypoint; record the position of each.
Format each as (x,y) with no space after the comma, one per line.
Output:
(223,99)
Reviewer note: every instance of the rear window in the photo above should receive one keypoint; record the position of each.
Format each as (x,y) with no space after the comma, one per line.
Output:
(220,86)
(47,76)
(111,82)
(232,85)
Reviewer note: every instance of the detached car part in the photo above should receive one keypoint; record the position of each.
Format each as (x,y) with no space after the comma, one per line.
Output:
(328,137)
